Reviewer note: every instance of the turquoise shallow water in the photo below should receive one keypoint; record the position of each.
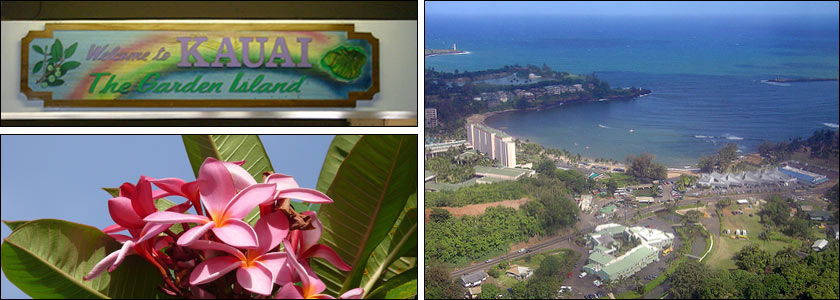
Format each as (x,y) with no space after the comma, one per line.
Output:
(705,74)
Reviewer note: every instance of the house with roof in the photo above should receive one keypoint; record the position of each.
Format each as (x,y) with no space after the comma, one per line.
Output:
(606,239)
(519,272)
(473,279)
(820,215)
(473,292)
(819,245)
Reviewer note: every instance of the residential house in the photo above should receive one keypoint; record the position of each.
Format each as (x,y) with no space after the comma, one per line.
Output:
(473,279)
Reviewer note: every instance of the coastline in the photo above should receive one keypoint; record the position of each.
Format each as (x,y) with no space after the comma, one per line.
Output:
(480,118)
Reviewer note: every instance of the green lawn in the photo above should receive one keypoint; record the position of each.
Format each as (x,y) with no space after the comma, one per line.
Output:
(726,247)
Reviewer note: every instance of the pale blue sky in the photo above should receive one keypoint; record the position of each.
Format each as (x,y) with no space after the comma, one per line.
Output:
(768,8)
(60,176)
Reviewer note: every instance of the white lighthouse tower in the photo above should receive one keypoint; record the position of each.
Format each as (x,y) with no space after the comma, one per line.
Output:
(453,47)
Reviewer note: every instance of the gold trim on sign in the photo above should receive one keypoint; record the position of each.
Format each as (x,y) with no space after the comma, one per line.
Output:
(349,102)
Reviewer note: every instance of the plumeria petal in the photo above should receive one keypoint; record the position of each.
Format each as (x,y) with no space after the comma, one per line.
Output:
(211,245)
(304,194)
(168,217)
(127,190)
(241,178)
(170,185)
(213,268)
(276,262)
(271,229)
(142,202)
(353,294)
(237,233)
(282,181)
(163,242)
(310,238)
(192,235)
(101,266)
(152,230)
(327,253)
(248,199)
(126,249)
(289,291)
(257,278)
(215,185)
(113,228)
(310,285)
(122,212)
(190,190)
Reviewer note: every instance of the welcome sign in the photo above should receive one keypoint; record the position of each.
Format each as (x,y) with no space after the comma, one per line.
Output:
(199,65)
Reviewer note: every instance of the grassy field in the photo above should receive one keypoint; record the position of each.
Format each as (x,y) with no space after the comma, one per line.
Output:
(726,247)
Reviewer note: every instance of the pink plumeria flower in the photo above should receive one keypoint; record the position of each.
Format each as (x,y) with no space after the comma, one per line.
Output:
(217,187)
(127,210)
(311,287)
(287,187)
(305,242)
(257,269)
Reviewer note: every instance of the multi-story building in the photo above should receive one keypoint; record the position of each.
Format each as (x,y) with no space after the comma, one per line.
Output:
(430,118)
(496,144)
(604,245)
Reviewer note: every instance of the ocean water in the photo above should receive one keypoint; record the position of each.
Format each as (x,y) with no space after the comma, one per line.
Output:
(705,73)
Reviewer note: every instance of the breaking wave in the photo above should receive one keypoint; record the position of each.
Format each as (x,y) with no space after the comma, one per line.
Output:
(832,125)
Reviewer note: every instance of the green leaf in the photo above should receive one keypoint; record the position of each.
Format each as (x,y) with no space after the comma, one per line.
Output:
(57,82)
(69,65)
(47,258)
(38,49)
(38,67)
(403,286)
(230,148)
(369,189)
(114,192)
(338,150)
(57,51)
(69,52)
(385,261)
(13,225)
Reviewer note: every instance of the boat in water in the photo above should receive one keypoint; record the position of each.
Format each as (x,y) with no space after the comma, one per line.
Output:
(602,126)
(631,130)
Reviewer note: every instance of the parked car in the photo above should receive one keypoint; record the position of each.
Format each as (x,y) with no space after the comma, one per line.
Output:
(582,275)
(489,260)
(570,275)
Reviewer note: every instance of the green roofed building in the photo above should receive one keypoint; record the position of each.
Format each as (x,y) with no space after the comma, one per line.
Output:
(608,209)
(600,258)
(629,263)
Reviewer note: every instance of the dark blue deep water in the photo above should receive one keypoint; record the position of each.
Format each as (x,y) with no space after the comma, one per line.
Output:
(705,74)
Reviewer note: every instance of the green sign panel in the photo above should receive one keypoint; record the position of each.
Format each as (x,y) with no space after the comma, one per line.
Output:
(199,65)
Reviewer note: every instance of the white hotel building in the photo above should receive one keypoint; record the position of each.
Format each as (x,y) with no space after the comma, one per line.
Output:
(496,144)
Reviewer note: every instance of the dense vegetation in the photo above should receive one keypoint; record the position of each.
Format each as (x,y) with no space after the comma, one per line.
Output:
(544,284)
(760,276)
(644,168)
(720,161)
(450,167)
(452,93)
(438,285)
(458,240)
(476,194)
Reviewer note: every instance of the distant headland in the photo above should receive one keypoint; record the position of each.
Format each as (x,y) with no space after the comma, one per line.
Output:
(435,52)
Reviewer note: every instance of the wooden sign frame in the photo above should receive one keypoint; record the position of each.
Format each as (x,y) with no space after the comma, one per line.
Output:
(353,96)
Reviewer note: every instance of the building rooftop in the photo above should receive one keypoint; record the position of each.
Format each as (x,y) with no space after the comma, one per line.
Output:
(513,172)
(489,180)
(609,228)
(474,276)
(650,236)
(632,257)
(601,258)
(608,209)
(497,132)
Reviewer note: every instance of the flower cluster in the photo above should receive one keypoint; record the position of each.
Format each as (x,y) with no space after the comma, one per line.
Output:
(197,261)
